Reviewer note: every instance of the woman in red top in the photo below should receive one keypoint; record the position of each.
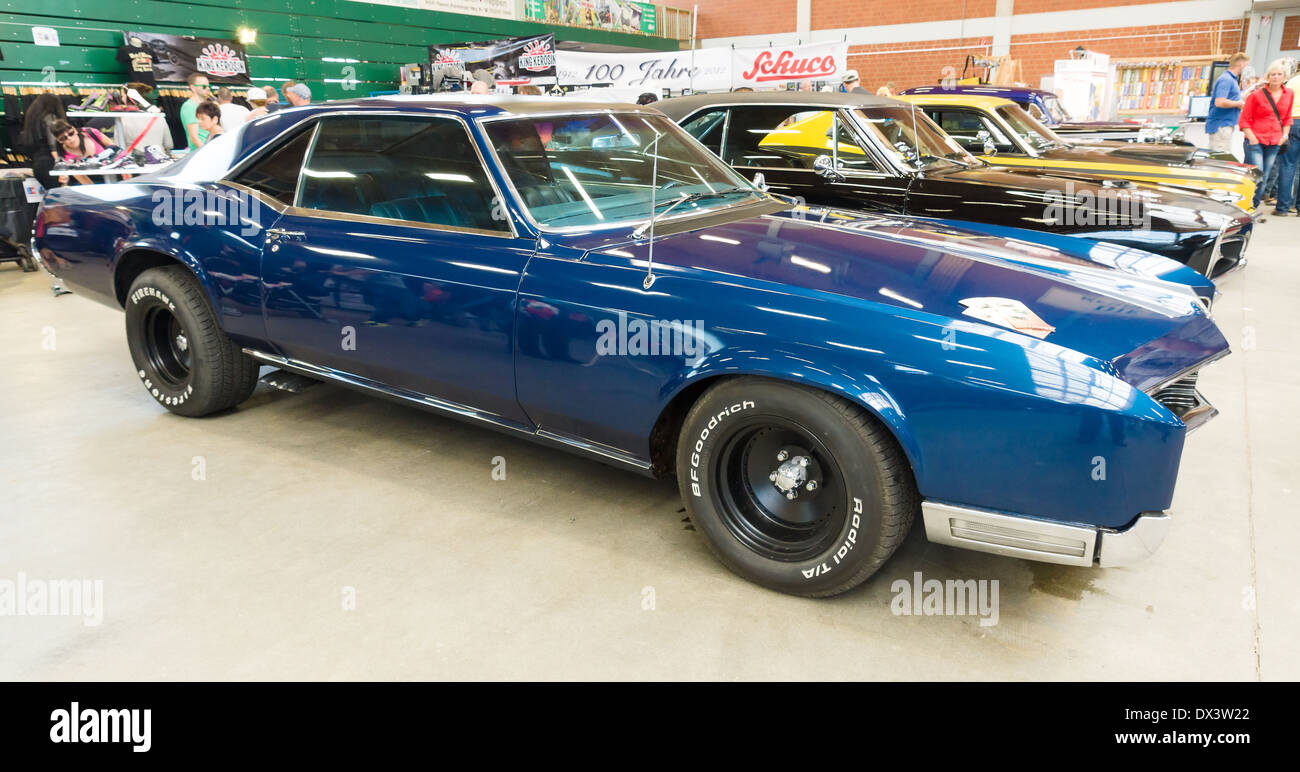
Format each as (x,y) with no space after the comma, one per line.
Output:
(1266,121)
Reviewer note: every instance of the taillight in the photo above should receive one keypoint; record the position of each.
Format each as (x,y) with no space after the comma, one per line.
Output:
(39,228)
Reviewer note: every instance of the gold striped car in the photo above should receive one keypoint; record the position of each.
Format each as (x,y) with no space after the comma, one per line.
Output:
(1002,133)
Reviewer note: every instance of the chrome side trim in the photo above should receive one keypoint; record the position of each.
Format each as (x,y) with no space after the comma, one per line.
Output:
(1009,535)
(1138,542)
(1181,374)
(455,410)
(1201,414)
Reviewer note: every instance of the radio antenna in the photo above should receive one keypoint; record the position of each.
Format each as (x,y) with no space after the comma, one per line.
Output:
(654,188)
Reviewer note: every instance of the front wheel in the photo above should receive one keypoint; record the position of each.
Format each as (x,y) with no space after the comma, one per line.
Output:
(794,489)
(180,352)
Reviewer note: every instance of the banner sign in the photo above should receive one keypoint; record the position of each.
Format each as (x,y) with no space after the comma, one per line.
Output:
(755,67)
(512,62)
(650,71)
(177,57)
(715,69)
(614,15)
(496,9)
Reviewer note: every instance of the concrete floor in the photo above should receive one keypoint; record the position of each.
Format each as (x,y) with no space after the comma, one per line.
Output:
(242,575)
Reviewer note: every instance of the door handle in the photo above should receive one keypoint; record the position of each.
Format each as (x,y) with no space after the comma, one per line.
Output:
(274,234)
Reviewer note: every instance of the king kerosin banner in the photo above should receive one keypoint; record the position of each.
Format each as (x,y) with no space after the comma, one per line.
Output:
(176,57)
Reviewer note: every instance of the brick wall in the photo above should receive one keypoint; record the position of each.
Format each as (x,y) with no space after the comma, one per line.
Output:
(835,14)
(915,63)
(731,18)
(1038,53)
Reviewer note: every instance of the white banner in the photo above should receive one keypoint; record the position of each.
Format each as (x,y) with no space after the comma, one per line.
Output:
(715,69)
(496,9)
(758,67)
(648,72)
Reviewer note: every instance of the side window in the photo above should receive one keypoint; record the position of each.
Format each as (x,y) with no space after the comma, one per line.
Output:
(788,138)
(969,129)
(276,175)
(707,128)
(1037,112)
(418,169)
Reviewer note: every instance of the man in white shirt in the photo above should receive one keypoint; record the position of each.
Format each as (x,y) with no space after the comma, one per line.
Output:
(232,115)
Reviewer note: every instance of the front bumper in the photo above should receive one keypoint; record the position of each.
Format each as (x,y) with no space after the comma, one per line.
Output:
(1024,537)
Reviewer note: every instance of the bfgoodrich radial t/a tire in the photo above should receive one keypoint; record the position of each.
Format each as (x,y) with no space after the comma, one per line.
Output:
(180,352)
(794,489)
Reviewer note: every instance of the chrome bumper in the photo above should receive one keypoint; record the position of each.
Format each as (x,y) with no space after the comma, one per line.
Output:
(1030,539)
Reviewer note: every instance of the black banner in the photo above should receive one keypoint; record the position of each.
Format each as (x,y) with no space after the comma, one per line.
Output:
(512,62)
(176,57)
(929,722)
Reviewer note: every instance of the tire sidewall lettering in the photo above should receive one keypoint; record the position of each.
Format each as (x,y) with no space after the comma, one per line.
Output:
(697,477)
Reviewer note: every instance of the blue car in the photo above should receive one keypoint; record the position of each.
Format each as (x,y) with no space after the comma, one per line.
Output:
(589,276)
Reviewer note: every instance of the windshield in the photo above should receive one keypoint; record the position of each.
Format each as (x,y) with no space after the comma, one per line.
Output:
(1056,110)
(1033,133)
(911,137)
(594,170)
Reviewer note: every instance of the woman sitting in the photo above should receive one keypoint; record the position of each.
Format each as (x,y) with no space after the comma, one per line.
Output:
(77,144)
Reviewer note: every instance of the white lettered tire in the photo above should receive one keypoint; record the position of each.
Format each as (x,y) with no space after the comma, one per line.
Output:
(749,443)
(181,355)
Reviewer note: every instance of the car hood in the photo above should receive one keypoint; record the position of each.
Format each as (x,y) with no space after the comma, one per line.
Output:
(1143,151)
(1180,208)
(1147,328)
(1136,163)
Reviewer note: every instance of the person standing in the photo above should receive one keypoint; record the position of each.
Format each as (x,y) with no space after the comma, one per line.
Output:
(199,93)
(298,94)
(232,115)
(38,139)
(272,99)
(209,116)
(851,83)
(1288,163)
(1266,121)
(1225,105)
(257,98)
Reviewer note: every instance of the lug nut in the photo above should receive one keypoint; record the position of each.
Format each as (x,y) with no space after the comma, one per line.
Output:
(812,485)
(790,495)
(803,461)
(782,456)
(772,477)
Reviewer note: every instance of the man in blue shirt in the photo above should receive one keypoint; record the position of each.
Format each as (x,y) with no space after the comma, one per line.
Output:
(1225,105)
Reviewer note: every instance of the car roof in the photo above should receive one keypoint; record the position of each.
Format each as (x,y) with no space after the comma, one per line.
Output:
(977,100)
(479,105)
(680,107)
(1009,92)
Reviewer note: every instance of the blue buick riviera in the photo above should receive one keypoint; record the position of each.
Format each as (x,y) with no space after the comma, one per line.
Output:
(589,276)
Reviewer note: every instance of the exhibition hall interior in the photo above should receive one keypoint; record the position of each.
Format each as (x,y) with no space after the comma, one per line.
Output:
(607,340)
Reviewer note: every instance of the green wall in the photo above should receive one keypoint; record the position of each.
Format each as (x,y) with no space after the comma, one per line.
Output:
(292,37)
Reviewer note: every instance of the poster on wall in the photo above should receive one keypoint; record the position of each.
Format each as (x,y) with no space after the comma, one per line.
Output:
(614,15)
(708,70)
(512,62)
(496,9)
(766,67)
(176,57)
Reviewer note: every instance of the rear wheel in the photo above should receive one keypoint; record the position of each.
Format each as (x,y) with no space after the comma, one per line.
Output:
(794,488)
(180,352)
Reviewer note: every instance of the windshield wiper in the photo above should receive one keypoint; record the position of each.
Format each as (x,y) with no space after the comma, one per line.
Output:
(640,231)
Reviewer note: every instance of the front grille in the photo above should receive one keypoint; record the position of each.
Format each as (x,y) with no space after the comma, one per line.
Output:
(1179,396)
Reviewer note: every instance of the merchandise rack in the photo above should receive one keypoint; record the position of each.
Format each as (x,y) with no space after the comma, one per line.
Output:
(1161,87)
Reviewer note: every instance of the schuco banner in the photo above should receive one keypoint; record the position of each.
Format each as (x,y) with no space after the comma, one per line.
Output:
(512,62)
(176,57)
(756,67)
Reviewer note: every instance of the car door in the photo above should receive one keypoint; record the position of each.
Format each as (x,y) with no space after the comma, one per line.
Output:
(783,142)
(396,264)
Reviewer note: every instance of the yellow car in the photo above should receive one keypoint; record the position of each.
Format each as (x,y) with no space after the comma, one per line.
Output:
(1000,132)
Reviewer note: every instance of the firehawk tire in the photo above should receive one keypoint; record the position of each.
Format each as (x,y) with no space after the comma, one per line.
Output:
(180,353)
(749,443)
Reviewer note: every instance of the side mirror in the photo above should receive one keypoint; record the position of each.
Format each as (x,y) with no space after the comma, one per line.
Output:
(987,139)
(760,182)
(825,169)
